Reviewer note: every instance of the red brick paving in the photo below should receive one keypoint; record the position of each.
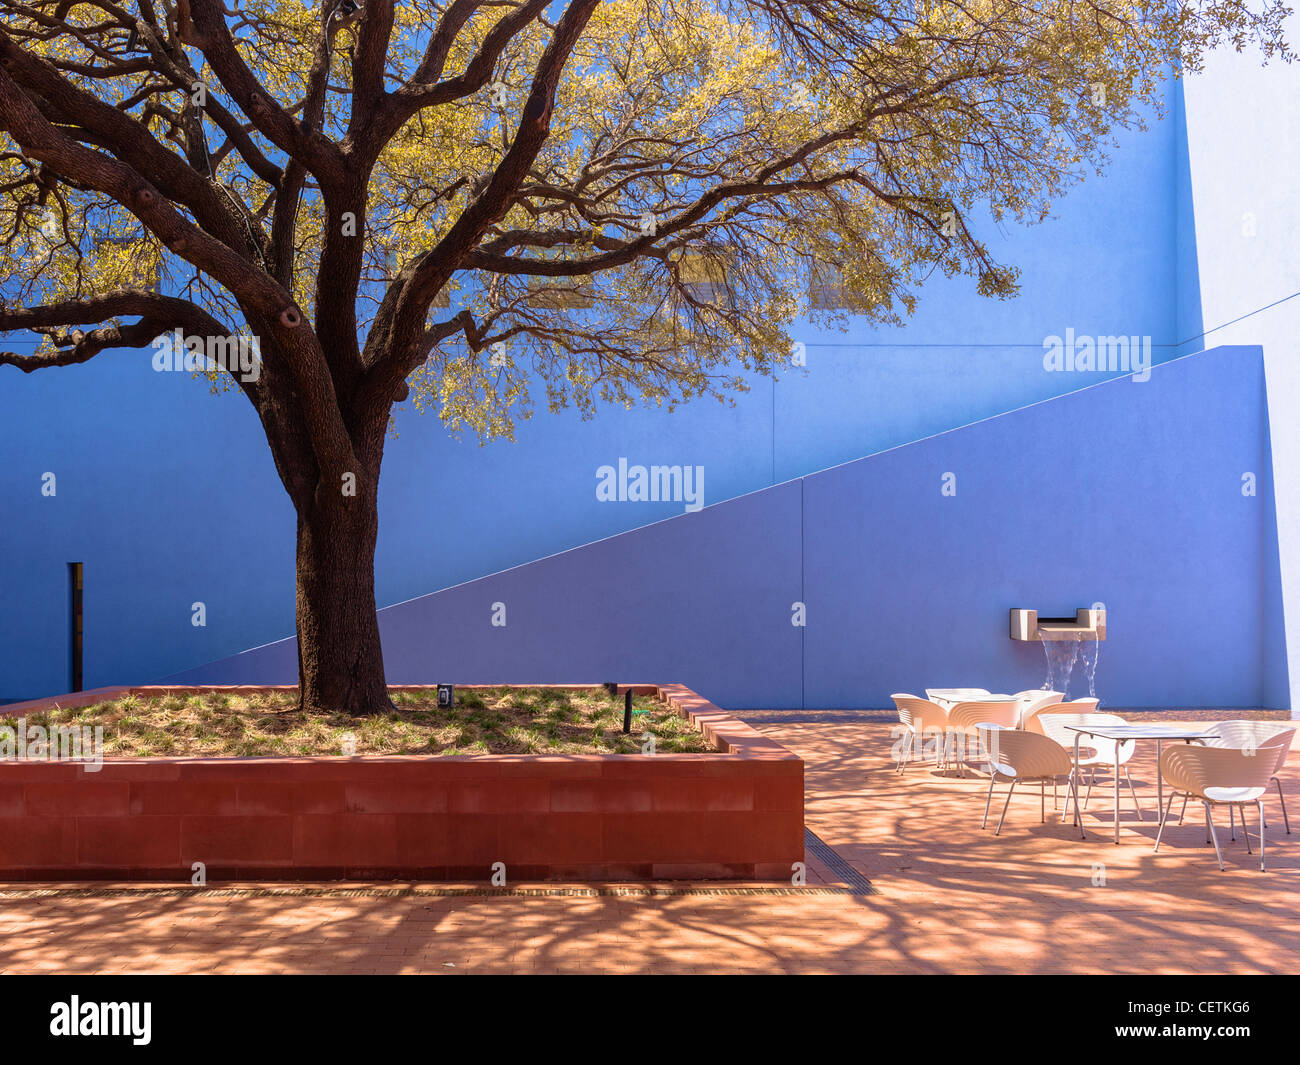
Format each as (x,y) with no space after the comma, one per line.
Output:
(952,899)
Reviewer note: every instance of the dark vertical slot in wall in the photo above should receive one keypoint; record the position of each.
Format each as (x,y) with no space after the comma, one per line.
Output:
(75,629)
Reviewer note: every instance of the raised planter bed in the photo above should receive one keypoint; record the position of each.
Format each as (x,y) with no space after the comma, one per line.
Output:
(733,814)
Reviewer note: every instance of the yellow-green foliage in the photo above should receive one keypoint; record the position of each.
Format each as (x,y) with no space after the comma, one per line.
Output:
(862,167)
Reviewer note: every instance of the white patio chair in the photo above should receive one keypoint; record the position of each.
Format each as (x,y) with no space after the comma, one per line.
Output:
(1032,720)
(1032,701)
(1022,757)
(1243,734)
(965,718)
(921,718)
(1219,776)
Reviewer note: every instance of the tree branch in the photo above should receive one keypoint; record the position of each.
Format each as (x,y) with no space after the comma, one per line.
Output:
(130,141)
(158,315)
(85,346)
(257,292)
(371,59)
(397,108)
(400,322)
(211,36)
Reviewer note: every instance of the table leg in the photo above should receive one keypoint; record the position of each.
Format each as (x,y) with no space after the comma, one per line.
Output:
(1160,782)
(1078,817)
(1116,793)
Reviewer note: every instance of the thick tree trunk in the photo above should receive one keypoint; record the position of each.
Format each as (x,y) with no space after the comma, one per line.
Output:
(340,662)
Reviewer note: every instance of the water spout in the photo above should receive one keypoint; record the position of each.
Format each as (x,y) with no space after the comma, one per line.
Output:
(1089,652)
(1061,656)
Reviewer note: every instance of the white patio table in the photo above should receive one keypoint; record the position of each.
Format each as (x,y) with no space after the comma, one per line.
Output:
(1157,731)
(947,697)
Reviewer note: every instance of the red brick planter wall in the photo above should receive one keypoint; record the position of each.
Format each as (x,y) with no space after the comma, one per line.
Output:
(734,814)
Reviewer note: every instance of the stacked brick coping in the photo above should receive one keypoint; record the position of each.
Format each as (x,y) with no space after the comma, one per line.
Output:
(733,814)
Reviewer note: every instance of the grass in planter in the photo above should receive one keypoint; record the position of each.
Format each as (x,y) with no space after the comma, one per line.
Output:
(483,721)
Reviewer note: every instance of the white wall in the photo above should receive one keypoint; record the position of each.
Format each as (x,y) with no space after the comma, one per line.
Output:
(1243,131)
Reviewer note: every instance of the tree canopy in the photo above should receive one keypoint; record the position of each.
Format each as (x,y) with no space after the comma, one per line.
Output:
(622,198)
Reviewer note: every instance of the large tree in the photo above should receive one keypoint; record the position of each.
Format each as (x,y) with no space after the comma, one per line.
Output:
(600,200)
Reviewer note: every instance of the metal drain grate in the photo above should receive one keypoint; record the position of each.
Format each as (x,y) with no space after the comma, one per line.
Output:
(831,858)
(630,891)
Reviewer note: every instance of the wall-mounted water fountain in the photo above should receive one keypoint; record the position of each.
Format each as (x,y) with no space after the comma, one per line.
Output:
(1085,625)
(1064,640)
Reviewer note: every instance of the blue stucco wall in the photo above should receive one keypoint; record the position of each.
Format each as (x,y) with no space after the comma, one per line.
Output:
(1125,493)
(168,495)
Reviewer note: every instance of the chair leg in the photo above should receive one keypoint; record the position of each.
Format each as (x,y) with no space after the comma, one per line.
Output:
(1245,829)
(1183,812)
(1133,791)
(1232,828)
(1004,807)
(1209,820)
(1261,832)
(909,749)
(1286,820)
(985,822)
(1078,817)
(1164,816)
(1042,801)
(1092,778)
